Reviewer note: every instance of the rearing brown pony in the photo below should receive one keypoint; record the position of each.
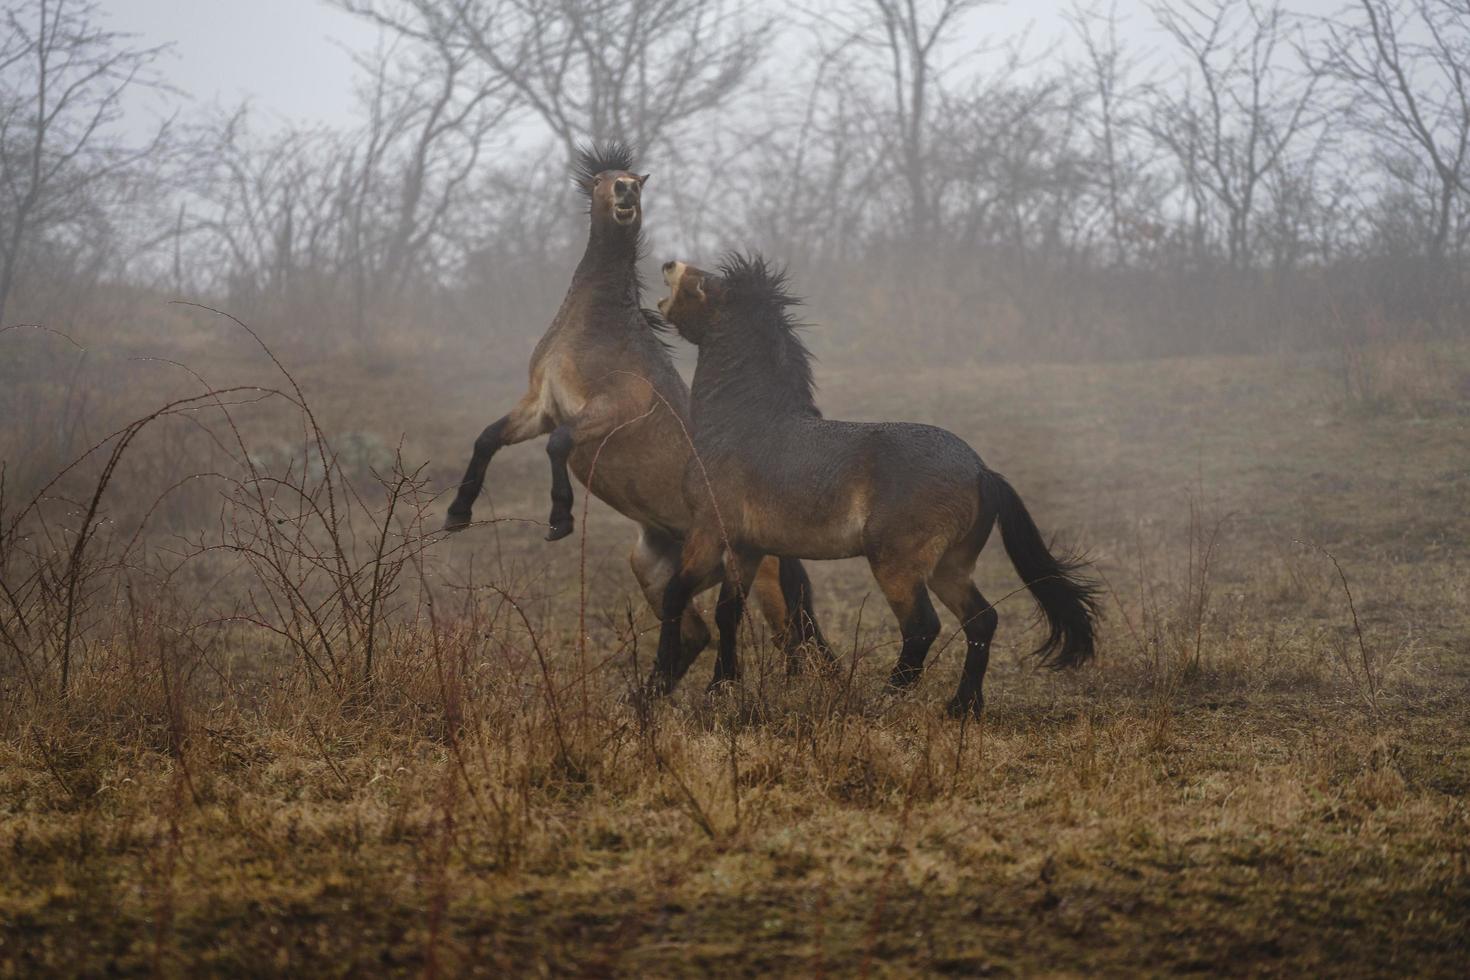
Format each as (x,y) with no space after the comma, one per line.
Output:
(605,389)
(772,477)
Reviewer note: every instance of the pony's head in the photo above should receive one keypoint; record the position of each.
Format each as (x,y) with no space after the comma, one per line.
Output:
(693,297)
(614,192)
(747,283)
(742,313)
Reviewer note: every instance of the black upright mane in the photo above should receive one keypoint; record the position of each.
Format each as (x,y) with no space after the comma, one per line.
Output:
(758,303)
(596,158)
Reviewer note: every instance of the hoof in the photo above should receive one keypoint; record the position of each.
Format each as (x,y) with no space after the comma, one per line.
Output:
(457,520)
(808,658)
(903,679)
(824,664)
(560,529)
(657,686)
(965,707)
(720,684)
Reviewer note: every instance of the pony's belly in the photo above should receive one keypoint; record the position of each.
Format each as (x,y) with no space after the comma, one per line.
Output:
(643,486)
(814,536)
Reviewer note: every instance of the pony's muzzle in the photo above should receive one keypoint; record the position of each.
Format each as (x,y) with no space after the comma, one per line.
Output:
(625,200)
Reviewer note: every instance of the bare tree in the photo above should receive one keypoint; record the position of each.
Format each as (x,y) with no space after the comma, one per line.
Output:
(1406,64)
(1128,189)
(1019,183)
(816,175)
(412,165)
(270,210)
(595,69)
(1238,112)
(908,37)
(63,80)
(353,218)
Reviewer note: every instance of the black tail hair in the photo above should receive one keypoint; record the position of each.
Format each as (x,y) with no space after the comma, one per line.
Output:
(1068,599)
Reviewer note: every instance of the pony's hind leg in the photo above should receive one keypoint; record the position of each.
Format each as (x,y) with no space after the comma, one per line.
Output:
(978,618)
(655,558)
(903,586)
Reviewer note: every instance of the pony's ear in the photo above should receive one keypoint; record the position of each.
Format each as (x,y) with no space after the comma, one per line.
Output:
(699,289)
(643,180)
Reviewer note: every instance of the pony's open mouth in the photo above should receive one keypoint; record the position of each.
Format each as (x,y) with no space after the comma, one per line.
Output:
(625,215)
(663,306)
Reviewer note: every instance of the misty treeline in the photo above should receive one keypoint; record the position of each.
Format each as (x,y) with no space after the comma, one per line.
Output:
(1200,176)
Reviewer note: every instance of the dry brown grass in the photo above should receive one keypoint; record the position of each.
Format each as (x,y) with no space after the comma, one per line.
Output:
(1243,784)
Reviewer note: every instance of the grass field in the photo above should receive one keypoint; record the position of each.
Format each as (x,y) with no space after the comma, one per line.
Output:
(1244,782)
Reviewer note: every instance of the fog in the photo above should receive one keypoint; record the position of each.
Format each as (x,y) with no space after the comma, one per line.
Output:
(362,151)
(382,182)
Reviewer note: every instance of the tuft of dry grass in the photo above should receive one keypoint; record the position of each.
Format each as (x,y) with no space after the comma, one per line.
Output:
(301,732)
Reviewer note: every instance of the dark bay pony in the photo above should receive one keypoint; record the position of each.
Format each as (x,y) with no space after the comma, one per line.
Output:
(772,477)
(603,386)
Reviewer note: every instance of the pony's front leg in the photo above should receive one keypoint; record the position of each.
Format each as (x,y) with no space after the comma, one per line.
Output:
(524,422)
(740,572)
(594,423)
(699,560)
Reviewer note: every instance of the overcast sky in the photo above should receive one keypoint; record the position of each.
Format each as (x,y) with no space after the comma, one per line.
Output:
(289,57)
(286,56)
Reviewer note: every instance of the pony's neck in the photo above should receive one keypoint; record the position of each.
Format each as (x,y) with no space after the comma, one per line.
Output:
(751,370)
(610,262)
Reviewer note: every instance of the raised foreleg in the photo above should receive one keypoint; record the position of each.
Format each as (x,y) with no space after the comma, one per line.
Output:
(525,421)
(595,422)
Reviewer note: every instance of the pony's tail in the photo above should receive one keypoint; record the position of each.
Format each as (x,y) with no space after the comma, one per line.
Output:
(1067,598)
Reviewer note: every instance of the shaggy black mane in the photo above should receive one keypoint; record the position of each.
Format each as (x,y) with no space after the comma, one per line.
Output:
(596,158)
(759,298)
(659,327)
(753,278)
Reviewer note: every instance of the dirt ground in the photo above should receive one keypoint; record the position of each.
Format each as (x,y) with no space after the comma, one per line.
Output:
(1244,783)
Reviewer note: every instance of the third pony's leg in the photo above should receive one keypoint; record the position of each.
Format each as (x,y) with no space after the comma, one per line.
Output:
(523,422)
(784,593)
(903,585)
(595,422)
(655,558)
